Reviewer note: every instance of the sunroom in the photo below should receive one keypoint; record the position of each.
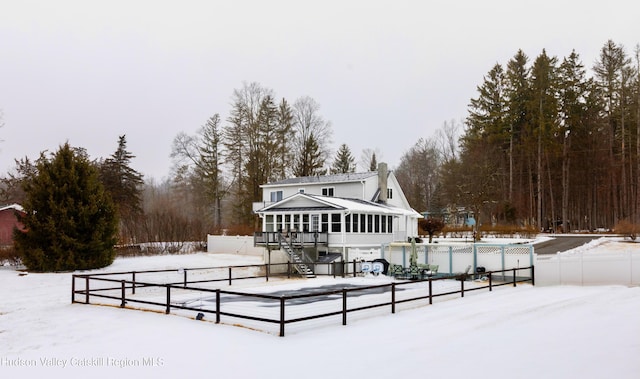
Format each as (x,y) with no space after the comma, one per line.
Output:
(331,224)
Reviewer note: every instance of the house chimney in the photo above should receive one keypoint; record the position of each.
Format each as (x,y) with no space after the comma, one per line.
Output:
(382,182)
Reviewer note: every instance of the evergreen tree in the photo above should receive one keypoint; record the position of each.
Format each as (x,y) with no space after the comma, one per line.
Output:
(572,91)
(11,187)
(518,93)
(311,162)
(284,149)
(488,124)
(124,184)
(344,162)
(70,221)
(208,165)
(544,112)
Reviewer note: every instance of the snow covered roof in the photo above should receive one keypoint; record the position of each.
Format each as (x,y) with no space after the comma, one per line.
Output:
(308,202)
(14,206)
(337,178)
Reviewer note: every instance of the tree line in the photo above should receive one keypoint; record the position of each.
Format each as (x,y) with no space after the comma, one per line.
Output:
(543,144)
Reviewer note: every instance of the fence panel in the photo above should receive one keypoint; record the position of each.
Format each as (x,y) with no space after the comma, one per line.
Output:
(584,268)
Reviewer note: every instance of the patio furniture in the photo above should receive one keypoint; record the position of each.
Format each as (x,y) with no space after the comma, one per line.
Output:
(430,271)
(461,276)
(366,267)
(414,272)
(398,272)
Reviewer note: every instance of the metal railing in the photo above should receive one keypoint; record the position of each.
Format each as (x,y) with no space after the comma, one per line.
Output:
(120,288)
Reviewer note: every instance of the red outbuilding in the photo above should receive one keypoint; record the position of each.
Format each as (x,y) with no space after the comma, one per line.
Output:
(8,221)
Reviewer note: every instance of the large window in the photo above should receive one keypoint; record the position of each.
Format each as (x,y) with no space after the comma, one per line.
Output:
(369,223)
(268,223)
(325,223)
(376,222)
(390,224)
(335,223)
(287,222)
(296,222)
(347,223)
(315,223)
(305,223)
(354,224)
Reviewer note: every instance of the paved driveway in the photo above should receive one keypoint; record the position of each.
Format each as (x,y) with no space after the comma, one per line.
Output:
(562,243)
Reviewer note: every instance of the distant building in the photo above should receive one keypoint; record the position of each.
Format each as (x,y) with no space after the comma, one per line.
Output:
(9,221)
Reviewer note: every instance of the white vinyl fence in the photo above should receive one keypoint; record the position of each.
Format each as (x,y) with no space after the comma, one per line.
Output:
(233,245)
(589,268)
(452,258)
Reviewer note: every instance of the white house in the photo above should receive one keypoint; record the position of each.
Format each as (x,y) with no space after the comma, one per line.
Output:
(339,216)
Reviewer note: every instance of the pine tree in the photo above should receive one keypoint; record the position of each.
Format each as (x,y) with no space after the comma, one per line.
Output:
(284,149)
(344,162)
(124,184)
(70,221)
(208,165)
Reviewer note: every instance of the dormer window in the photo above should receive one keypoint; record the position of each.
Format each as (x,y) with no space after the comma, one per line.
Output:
(327,191)
(276,196)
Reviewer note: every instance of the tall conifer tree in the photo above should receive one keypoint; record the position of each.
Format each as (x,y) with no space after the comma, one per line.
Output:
(70,221)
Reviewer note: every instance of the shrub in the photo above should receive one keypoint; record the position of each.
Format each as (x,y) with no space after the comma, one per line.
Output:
(627,229)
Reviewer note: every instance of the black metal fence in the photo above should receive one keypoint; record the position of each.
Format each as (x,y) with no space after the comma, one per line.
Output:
(167,289)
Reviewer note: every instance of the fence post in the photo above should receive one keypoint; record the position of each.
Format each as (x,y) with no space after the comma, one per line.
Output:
(86,290)
(334,268)
(282,316)
(185,278)
(217,306)
(266,270)
(514,277)
(475,259)
(73,289)
(393,297)
(133,282)
(168,309)
(288,270)
(344,306)
(122,294)
(354,268)
(430,291)
(490,281)
(533,276)
(229,275)
(461,286)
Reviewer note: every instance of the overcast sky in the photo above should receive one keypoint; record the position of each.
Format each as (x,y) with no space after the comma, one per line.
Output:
(385,73)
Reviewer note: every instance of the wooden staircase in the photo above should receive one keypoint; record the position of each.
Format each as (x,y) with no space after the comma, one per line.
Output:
(296,257)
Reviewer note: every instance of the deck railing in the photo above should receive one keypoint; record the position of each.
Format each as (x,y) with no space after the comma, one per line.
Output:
(301,239)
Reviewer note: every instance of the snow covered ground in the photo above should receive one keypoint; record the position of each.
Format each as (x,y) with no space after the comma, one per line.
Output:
(522,332)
